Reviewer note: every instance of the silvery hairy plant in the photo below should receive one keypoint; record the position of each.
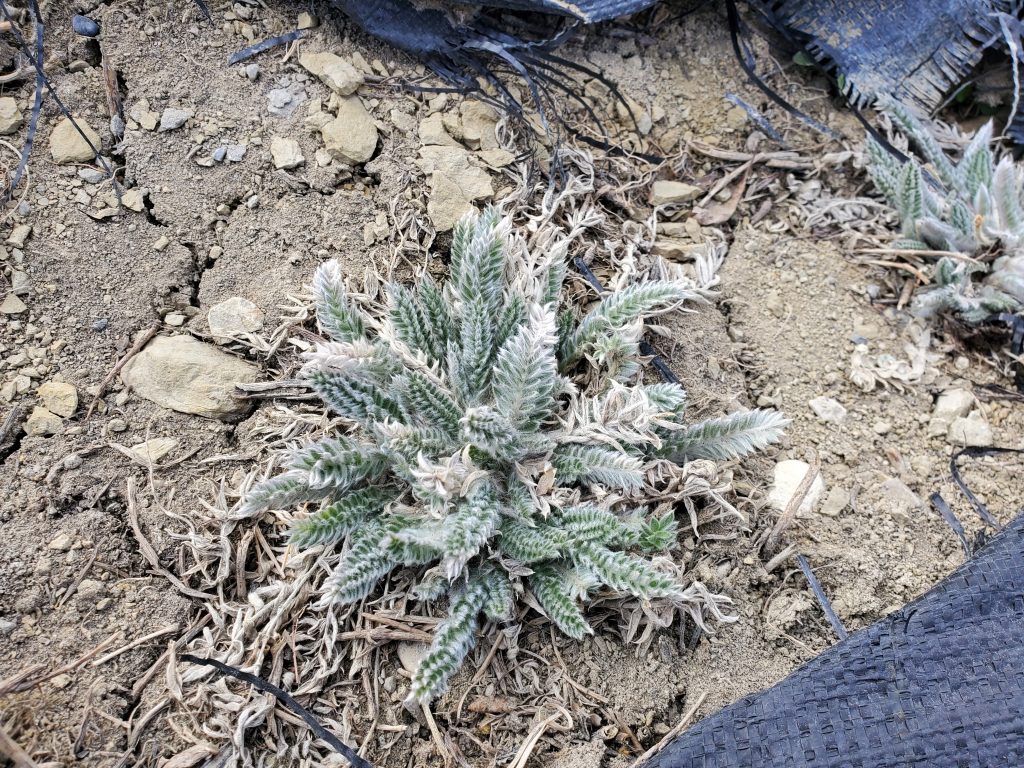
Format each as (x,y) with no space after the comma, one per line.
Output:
(977,207)
(497,445)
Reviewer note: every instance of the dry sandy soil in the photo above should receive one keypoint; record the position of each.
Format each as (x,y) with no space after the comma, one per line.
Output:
(792,306)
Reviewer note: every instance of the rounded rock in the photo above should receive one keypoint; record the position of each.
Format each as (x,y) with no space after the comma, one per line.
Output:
(84,26)
(234,318)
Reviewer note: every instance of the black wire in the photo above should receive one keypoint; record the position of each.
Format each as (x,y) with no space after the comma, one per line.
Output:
(37,63)
(954,470)
(819,594)
(951,519)
(744,59)
(265,45)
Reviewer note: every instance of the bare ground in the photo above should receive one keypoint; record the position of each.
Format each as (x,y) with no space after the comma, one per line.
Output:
(73,575)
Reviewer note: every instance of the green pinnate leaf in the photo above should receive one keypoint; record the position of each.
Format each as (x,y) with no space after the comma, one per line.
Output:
(727,437)
(532,543)
(334,521)
(434,406)
(625,573)
(525,375)
(334,311)
(548,585)
(658,534)
(453,639)
(410,323)
(575,462)
(356,400)
(282,491)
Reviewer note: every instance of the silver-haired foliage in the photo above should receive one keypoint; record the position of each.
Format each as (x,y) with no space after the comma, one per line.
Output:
(497,445)
(975,206)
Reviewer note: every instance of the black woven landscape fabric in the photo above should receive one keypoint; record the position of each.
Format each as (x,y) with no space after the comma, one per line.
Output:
(939,683)
(915,50)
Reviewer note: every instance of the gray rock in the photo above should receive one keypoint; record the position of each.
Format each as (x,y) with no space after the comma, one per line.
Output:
(673,192)
(478,125)
(220,153)
(432,132)
(236,152)
(252,71)
(970,431)
(336,73)
(455,184)
(234,318)
(411,654)
(12,305)
(787,478)
(951,405)
(287,153)
(59,398)
(11,118)
(7,626)
(68,146)
(21,283)
(91,175)
(837,500)
(62,542)
(189,376)
(828,409)
(19,236)
(42,423)
(173,118)
(282,102)
(352,136)
(896,492)
(90,590)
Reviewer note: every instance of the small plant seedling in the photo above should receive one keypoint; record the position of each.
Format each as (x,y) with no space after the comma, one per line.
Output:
(979,209)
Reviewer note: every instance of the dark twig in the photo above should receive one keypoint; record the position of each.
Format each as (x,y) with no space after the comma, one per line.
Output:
(37,106)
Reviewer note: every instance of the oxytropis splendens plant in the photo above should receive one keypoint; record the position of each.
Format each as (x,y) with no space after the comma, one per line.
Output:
(497,444)
(980,208)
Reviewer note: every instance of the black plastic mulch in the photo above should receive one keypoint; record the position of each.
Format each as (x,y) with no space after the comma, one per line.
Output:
(939,683)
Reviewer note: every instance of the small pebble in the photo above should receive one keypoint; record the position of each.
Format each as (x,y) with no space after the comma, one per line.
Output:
(236,152)
(117,425)
(100,325)
(172,119)
(60,682)
(252,71)
(61,543)
(220,153)
(91,175)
